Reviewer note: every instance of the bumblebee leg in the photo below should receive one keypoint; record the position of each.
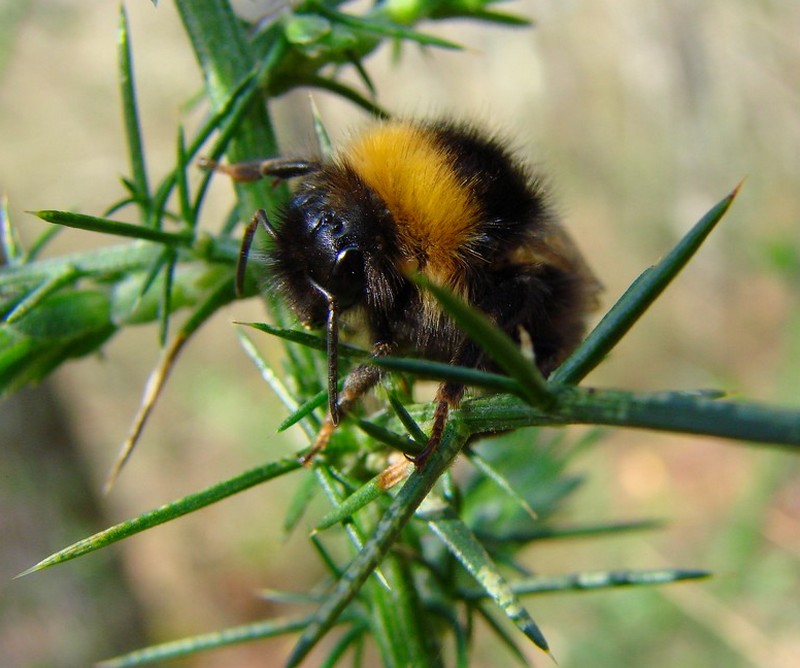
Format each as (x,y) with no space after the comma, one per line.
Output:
(358,382)
(253,170)
(447,396)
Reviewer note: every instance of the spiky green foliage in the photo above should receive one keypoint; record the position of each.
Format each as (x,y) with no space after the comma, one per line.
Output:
(429,557)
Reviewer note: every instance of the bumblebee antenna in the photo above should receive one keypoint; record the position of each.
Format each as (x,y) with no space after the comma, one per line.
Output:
(332,351)
(260,217)
(332,331)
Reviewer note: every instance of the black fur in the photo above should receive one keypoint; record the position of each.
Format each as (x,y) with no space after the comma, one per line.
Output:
(333,210)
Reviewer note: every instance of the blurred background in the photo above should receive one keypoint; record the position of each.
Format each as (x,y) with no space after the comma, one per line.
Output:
(643,114)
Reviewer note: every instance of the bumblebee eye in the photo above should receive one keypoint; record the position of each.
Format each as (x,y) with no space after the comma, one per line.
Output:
(349,264)
(347,276)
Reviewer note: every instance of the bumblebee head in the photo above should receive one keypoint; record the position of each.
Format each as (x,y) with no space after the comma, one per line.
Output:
(331,251)
(323,248)
(328,239)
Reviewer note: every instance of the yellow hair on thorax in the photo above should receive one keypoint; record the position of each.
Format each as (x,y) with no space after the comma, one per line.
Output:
(437,217)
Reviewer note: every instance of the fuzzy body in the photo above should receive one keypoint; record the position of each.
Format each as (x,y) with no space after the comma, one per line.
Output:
(451,203)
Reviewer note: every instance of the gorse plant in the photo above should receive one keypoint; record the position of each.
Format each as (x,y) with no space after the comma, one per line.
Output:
(430,555)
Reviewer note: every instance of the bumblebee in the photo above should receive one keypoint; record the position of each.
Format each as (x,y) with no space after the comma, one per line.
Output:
(437,198)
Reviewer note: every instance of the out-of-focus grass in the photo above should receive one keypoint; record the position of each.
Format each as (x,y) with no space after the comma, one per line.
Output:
(642,113)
